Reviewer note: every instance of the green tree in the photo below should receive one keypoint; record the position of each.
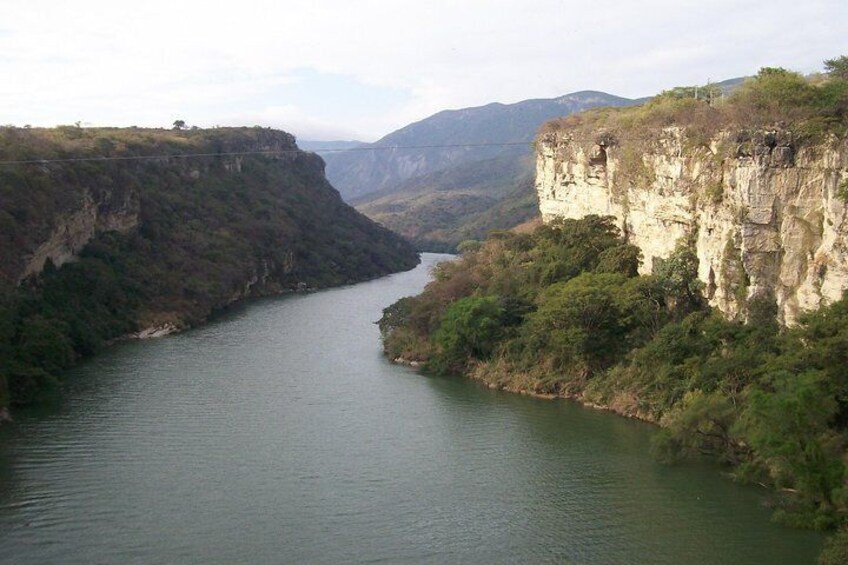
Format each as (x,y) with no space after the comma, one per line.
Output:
(470,329)
(565,248)
(678,276)
(624,258)
(790,428)
(579,323)
(835,550)
(822,343)
(701,425)
(837,67)
(776,94)
(44,343)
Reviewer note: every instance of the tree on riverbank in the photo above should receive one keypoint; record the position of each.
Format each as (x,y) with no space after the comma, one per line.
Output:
(562,311)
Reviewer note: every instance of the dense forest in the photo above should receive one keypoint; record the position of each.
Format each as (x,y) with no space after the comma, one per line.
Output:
(182,223)
(563,312)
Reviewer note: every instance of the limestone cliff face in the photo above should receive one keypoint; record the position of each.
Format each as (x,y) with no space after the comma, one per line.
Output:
(762,210)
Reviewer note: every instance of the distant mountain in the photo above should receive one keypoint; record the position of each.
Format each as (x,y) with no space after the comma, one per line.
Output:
(731,84)
(450,138)
(439,210)
(456,175)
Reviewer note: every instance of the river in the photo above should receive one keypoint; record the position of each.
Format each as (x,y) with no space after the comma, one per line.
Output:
(278,433)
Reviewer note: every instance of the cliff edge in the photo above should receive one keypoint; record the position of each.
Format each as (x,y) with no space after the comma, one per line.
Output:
(112,232)
(764,215)
(759,192)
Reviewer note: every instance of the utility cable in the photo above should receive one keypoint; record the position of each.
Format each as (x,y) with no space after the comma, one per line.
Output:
(36,161)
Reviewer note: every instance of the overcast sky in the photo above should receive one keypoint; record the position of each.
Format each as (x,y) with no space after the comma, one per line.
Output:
(359,69)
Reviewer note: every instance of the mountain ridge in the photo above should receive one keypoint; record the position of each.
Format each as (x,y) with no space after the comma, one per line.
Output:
(456,136)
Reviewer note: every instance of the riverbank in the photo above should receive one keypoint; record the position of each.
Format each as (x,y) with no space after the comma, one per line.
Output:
(323,434)
(563,313)
(479,375)
(175,323)
(40,384)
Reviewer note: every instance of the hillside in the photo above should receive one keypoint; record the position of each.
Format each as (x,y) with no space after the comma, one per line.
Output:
(439,210)
(157,231)
(457,180)
(450,138)
(691,272)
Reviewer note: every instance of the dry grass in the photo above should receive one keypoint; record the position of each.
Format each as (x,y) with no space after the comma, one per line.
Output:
(812,108)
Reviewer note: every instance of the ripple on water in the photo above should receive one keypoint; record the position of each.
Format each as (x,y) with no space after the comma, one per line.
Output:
(278,433)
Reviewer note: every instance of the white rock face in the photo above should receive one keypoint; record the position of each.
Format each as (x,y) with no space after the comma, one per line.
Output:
(764,213)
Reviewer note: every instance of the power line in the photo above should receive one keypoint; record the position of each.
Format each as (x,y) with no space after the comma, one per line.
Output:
(142,157)
(36,161)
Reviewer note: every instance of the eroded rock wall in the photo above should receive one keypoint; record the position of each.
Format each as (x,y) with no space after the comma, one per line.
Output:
(763,211)
(76,226)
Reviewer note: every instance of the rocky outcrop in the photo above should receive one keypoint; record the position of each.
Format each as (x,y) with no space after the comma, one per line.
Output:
(155,331)
(75,227)
(763,211)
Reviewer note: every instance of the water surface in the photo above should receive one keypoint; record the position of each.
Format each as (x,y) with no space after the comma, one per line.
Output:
(279,433)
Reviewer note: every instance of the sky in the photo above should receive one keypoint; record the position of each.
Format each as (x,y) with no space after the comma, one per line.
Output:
(359,69)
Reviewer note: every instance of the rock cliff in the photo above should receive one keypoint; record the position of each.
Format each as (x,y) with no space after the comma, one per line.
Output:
(55,206)
(74,227)
(763,211)
(117,232)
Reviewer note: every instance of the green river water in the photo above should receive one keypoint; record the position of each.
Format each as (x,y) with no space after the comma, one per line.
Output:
(278,433)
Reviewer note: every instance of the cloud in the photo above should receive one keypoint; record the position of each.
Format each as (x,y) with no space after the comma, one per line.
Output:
(374,65)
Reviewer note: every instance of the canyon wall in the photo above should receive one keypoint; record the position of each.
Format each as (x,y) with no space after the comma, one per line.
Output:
(765,213)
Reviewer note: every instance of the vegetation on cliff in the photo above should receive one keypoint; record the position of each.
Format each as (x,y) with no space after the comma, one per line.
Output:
(563,312)
(811,107)
(177,237)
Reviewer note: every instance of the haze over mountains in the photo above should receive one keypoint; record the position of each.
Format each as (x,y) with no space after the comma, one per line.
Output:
(449,138)
(445,178)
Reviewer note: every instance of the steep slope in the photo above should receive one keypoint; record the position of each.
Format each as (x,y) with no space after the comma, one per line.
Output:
(450,138)
(755,186)
(439,210)
(108,232)
(763,221)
